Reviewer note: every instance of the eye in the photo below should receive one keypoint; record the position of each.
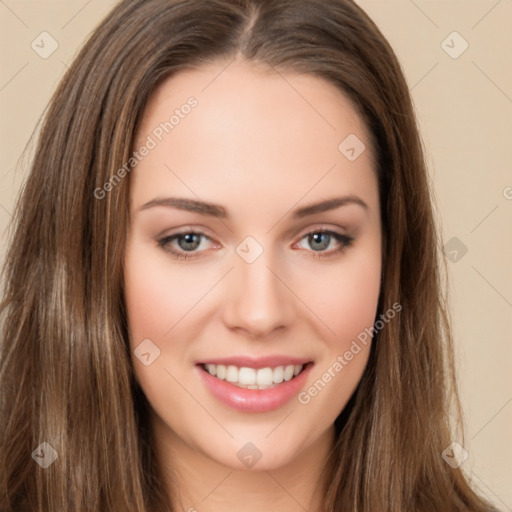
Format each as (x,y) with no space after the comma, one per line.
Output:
(320,240)
(184,244)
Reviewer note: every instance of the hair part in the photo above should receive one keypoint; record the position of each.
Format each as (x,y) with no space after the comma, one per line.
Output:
(65,371)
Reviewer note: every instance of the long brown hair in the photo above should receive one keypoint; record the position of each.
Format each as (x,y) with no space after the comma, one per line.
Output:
(66,377)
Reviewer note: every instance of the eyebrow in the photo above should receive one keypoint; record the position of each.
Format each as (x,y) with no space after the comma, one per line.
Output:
(215,210)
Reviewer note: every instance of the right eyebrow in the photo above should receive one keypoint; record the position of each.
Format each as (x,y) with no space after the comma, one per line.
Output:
(190,205)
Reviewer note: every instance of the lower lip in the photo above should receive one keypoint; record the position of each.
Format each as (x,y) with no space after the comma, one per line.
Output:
(254,400)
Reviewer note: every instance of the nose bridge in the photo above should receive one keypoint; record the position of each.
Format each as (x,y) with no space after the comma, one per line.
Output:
(259,302)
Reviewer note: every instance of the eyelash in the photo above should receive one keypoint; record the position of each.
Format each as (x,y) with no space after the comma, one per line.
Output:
(345,241)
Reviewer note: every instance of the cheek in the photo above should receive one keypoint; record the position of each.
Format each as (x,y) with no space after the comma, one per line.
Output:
(354,299)
(345,301)
(157,301)
(158,295)
(344,296)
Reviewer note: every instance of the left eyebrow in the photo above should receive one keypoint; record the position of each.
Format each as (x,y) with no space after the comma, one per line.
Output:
(329,204)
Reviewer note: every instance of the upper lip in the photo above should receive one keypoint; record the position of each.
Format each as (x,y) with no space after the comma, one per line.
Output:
(257,362)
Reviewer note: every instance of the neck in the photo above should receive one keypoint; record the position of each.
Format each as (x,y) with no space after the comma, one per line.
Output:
(197,483)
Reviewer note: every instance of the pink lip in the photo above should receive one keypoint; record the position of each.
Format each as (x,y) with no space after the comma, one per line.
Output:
(254,400)
(256,362)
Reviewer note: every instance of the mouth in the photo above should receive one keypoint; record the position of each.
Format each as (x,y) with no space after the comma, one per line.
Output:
(254,378)
(256,386)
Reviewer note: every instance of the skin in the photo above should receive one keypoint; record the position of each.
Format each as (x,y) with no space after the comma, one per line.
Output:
(260,144)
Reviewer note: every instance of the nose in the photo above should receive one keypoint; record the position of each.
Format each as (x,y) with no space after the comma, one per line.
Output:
(258,299)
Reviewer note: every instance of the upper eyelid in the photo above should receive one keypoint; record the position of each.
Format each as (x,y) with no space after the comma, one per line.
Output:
(322,228)
(205,231)
(182,230)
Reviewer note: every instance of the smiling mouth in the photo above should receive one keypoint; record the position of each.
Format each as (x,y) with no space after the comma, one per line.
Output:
(252,378)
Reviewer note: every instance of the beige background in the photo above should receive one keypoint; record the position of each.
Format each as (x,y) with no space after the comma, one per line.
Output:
(465,109)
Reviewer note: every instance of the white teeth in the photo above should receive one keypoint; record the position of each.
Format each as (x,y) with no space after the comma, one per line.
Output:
(278,374)
(288,372)
(247,376)
(251,378)
(232,374)
(221,371)
(264,377)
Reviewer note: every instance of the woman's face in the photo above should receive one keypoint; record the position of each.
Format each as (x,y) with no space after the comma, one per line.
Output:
(254,253)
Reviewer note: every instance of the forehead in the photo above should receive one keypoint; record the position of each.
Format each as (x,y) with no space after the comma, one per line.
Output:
(251,126)
(255,91)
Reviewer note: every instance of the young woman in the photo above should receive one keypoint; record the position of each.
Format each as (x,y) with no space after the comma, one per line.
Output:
(223,288)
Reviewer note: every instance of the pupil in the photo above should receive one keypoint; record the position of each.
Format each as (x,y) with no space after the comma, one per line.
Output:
(316,239)
(191,241)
